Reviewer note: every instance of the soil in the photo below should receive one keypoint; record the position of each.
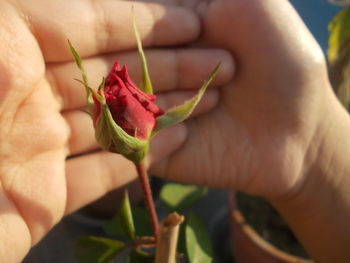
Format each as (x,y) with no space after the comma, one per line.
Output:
(266,221)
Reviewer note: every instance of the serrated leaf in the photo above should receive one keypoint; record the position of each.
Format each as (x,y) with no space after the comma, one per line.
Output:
(123,223)
(137,256)
(179,197)
(89,249)
(199,249)
(146,84)
(182,112)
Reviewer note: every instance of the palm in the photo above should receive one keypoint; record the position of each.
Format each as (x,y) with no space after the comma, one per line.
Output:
(255,140)
(41,119)
(34,137)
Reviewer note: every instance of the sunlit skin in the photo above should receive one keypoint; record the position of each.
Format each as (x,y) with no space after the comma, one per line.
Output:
(41,122)
(278,130)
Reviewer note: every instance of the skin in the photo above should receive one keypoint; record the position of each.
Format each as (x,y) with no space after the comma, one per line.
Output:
(50,164)
(278,130)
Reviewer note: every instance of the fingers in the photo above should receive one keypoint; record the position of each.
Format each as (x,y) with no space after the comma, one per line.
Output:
(96,27)
(91,176)
(169,69)
(82,138)
(258,41)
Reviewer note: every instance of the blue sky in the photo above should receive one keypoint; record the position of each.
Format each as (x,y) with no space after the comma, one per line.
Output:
(316,15)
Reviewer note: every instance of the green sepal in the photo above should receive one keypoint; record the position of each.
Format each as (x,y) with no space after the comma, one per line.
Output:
(146,84)
(79,62)
(90,249)
(182,112)
(113,138)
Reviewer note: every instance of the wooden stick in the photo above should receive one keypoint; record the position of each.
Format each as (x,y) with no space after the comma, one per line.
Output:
(167,239)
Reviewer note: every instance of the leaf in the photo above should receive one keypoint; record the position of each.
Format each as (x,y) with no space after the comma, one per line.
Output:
(137,256)
(182,112)
(123,222)
(89,249)
(197,242)
(339,33)
(178,197)
(146,84)
(339,56)
(141,221)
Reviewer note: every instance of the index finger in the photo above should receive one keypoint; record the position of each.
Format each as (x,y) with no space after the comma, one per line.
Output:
(96,27)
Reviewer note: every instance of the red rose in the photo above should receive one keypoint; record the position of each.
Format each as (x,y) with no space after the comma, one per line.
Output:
(132,110)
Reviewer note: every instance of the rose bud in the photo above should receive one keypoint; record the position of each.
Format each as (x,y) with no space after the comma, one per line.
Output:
(133,110)
(126,118)
(123,115)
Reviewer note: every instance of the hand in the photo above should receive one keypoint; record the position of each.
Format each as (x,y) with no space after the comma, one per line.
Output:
(278,130)
(41,119)
(258,137)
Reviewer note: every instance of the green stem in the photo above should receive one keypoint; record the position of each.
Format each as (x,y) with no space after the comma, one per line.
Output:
(147,193)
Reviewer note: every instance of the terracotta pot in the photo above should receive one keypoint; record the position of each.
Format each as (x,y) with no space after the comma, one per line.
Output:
(249,247)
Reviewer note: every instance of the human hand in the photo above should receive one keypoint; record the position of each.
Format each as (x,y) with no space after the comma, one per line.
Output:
(260,136)
(41,119)
(278,130)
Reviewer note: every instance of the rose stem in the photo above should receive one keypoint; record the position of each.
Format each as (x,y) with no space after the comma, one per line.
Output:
(147,192)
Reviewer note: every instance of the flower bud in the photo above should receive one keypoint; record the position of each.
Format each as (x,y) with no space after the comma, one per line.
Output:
(123,115)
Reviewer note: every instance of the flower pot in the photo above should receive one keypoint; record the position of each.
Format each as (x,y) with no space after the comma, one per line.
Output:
(249,246)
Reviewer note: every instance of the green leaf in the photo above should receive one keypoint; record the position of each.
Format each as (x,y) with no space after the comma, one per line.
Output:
(179,197)
(146,84)
(182,112)
(141,221)
(115,227)
(339,56)
(123,223)
(137,256)
(197,242)
(126,215)
(339,30)
(89,249)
